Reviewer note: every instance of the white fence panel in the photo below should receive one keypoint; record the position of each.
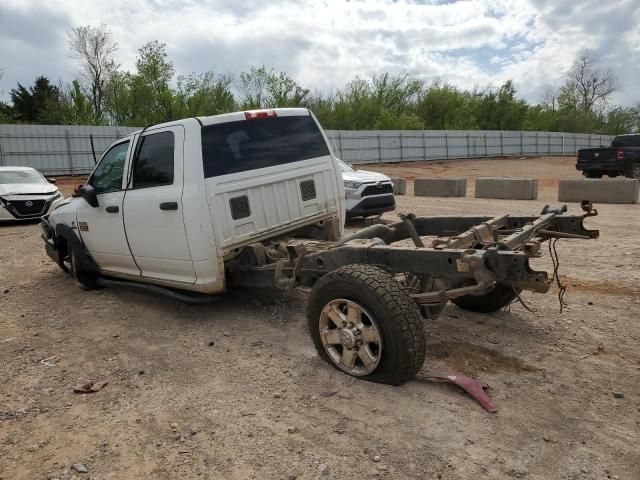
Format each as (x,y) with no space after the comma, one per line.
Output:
(60,150)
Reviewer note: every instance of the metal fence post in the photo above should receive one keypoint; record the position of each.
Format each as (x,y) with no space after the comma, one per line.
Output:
(66,134)
(486,151)
(446,145)
(1,156)
(521,143)
(401,148)
(501,144)
(549,143)
(536,143)
(563,144)
(340,145)
(424,145)
(379,148)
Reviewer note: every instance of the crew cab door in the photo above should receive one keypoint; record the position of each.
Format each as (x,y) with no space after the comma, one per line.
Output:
(153,209)
(101,228)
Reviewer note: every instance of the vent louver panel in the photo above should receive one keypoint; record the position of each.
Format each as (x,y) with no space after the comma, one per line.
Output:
(240,207)
(308,190)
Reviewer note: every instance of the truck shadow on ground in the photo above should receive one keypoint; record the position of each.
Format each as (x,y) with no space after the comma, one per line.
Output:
(473,359)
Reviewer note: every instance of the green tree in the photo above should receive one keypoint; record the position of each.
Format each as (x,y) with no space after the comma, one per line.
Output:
(443,106)
(37,104)
(203,94)
(501,110)
(623,120)
(150,85)
(76,108)
(262,88)
(120,101)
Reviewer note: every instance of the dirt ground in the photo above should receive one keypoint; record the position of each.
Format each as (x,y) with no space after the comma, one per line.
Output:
(235,390)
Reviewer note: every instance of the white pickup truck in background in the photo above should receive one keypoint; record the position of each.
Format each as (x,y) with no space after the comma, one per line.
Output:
(257,199)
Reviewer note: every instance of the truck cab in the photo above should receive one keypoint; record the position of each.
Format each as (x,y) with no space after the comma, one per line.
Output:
(171,203)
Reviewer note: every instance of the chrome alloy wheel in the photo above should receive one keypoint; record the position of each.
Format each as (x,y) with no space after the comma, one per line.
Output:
(350,336)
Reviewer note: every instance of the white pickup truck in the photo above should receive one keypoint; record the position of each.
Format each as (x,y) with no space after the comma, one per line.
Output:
(256,198)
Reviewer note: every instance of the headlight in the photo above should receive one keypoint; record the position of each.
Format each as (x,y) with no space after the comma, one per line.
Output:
(352,185)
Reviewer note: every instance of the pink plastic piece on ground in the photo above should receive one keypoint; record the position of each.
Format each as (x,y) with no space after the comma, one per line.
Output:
(469,385)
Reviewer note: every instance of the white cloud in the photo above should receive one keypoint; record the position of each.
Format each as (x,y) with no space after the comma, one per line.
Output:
(323,44)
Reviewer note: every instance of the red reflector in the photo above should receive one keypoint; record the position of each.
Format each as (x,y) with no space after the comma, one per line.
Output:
(620,155)
(252,115)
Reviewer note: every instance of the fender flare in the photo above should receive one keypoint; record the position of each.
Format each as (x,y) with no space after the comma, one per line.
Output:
(84,261)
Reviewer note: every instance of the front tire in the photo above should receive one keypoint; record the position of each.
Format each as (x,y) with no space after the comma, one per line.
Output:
(363,322)
(84,280)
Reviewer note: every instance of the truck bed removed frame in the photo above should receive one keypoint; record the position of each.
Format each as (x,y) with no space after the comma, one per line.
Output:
(470,255)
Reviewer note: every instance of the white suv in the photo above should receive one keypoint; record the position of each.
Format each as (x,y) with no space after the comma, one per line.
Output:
(368,193)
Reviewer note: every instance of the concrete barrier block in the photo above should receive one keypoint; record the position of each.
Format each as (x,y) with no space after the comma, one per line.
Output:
(507,188)
(440,187)
(599,190)
(399,185)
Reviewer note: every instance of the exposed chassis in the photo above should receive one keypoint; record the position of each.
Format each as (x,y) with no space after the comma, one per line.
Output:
(473,254)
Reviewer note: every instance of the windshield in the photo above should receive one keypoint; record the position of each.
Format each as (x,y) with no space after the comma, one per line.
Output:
(345,167)
(12,177)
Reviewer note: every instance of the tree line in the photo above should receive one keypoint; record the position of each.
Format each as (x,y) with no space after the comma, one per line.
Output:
(105,94)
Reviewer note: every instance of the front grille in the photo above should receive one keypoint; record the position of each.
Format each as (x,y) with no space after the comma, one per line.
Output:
(377,189)
(240,207)
(28,207)
(308,190)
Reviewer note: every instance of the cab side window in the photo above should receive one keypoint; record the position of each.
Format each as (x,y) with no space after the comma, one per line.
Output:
(154,164)
(107,177)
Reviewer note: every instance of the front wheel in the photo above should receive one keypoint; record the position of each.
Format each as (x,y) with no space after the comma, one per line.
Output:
(363,322)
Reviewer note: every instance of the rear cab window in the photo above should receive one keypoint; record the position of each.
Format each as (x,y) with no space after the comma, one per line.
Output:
(244,145)
(626,141)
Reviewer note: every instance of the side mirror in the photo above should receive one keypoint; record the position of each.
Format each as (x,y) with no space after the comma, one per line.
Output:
(52,180)
(89,194)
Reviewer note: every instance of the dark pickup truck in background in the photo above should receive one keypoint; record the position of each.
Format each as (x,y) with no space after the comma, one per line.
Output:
(621,158)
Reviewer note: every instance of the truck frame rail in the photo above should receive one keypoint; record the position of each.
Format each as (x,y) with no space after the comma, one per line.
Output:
(469,255)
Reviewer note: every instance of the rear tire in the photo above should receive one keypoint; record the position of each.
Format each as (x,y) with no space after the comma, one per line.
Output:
(386,323)
(593,174)
(84,280)
(634,171)
(499,297)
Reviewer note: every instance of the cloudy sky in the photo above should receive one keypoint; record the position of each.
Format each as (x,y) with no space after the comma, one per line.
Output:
(324,43)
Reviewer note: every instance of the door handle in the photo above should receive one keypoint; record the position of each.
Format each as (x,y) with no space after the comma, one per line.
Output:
(112,209)
(169,206)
